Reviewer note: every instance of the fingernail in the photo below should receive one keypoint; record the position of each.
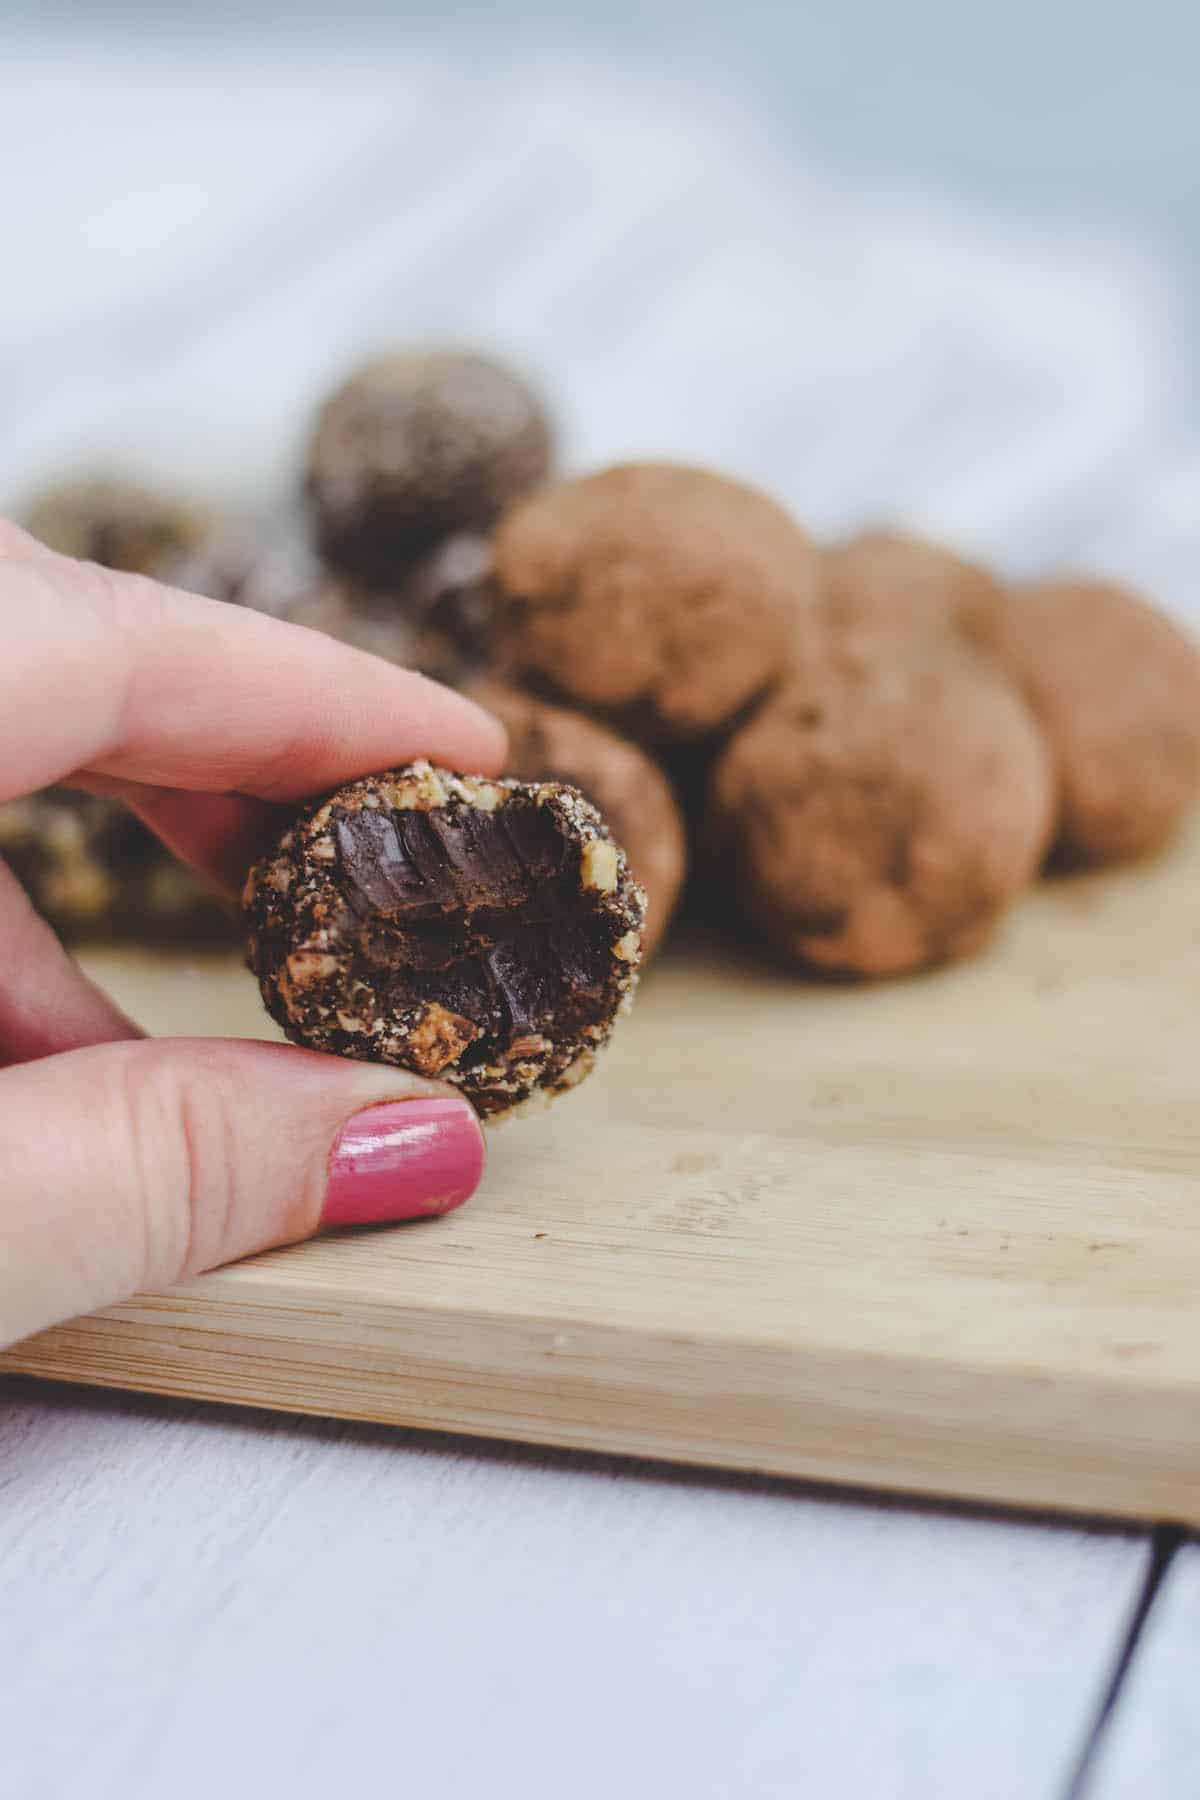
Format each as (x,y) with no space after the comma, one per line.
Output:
(403,1160)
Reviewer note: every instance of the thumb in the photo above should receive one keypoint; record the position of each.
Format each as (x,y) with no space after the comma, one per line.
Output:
(134,1165)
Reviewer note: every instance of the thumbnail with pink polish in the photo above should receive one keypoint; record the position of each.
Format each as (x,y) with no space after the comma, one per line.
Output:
(403,1160)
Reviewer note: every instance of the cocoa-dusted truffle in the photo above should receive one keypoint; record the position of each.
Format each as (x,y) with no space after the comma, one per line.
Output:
(877,816)
(485,932)
(548,743)
(414,447)
(655,595)
(117,523)
(888,582)
(99,875)
(1116,687)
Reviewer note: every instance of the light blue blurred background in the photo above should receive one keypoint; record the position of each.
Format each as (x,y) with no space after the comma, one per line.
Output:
(935,262)
(1055,105)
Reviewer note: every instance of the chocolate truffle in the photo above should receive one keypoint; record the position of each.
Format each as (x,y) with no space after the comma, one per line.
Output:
(1116,687)
(877,816)
(118,524)
(99,875)
(435,619)
(448,596)
(484,932)
(548,743)
(268,566)
(656,596)
(382,631)
(415,447)
(886,582)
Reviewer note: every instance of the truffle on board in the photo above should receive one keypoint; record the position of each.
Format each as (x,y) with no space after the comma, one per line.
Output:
(414,447)
(892,582)
(435,619)
(548,743)
(877,818)
(1116,687)
(97,874)
(484,932)
(119,524)
(268,566)
(656,596)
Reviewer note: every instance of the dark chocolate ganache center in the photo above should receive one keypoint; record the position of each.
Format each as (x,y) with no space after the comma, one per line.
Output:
(481,912)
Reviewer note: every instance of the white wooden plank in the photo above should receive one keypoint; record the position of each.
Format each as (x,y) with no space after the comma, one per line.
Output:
(194,1598)
(1151,1747)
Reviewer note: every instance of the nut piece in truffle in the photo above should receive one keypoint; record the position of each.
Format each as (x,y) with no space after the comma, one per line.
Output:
(656,596)
(1116,688)
(889,583)
(118,524)
(879,818)
(484,932)
(99,875)
(548,743)
(414,447)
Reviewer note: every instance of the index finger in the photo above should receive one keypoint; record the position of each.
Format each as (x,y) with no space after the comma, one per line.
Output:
(119,676)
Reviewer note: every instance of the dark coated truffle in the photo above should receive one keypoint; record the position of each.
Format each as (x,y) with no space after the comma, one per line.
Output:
(435,619)
(484,932)
(1116,688)
(656,596)
(117,523)
(878,815)
(548,743)
(268,566)
(415,447)
(99,875)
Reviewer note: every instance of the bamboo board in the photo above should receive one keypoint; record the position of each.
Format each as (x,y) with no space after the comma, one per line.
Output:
(940,1236)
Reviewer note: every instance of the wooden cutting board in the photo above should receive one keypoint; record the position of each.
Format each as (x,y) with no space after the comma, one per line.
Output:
(940,1235)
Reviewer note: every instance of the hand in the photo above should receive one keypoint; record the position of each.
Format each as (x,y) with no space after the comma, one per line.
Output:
(127,1163)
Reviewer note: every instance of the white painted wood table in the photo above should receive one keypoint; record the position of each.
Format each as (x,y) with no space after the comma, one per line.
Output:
(196,1601)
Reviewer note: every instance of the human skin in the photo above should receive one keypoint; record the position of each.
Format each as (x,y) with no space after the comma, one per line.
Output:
(131,1162)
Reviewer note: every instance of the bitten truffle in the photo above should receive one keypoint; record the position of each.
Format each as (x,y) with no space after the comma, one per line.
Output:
(654,595)
(548,743)
(1116,687)
(888,582)
(484,932)
(99,875)
(415,447)
(878,817)
(118,524)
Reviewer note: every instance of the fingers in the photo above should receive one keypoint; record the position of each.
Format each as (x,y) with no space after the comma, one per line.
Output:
(219,834)
(135,1165)
(47,1004)
(19,544)
(135,681)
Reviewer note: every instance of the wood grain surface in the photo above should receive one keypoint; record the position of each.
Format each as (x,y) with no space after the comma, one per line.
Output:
(940,1235)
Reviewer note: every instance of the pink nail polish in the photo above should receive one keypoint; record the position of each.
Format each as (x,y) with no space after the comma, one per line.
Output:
(404,1159)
